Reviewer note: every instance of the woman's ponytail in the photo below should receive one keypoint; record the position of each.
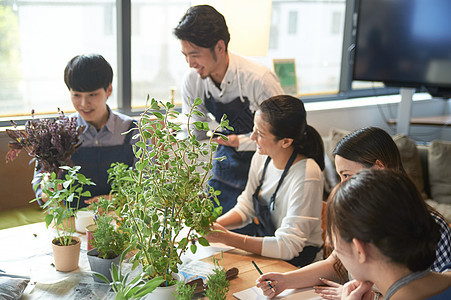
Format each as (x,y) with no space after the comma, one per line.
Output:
(312,146)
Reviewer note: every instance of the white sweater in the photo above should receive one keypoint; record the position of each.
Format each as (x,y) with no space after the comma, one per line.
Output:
(298,204)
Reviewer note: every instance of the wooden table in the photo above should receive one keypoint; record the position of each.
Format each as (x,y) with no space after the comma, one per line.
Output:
(247,272)
(27,251)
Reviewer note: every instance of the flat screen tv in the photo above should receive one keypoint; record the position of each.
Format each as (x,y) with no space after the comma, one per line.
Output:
(404,43)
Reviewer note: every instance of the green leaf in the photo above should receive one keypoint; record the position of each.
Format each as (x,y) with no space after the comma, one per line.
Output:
(198,113)
(203,241)
(70,198)
(48,220)
(146,134)
(149,286)
(158,115)
(198,124)
(135,264)
(141,144)
(197,101)
(193,248)
(101,277)
(86,194)
(67,183)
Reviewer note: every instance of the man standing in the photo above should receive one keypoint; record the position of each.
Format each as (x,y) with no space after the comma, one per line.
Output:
(228,84)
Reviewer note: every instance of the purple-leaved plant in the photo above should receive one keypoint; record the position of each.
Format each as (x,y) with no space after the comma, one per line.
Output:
(49,141)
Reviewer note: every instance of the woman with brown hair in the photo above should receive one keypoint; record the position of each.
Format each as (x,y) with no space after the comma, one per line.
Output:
(388,241)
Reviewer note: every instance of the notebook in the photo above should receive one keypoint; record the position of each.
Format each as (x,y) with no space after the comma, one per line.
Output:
(254,293)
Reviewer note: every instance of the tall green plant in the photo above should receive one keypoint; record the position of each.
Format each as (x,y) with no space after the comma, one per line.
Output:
(169,203)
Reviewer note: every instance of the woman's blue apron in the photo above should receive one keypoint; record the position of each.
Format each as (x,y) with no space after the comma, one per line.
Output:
(95,162)
(230,175)
(265,226)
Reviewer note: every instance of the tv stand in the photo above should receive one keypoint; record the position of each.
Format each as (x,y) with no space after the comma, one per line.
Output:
(404,119)
(404,111)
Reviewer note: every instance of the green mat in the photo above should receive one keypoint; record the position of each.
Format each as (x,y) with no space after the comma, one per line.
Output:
(19,217)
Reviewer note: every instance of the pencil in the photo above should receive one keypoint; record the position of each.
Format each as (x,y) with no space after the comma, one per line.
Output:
(261,273)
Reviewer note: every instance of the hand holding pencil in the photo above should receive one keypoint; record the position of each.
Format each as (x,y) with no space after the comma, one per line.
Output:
(261,273)
(272,284)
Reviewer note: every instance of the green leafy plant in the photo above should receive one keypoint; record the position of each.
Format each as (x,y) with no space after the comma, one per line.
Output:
(119,187)
(168,202)
(184,291)
(60,193)
(217,283)
(109,240)
(129,289)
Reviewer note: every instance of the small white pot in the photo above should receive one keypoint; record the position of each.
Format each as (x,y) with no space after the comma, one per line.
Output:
(83,219)
(165,292)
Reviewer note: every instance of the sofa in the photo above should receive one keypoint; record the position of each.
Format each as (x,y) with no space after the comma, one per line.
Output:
(429,167)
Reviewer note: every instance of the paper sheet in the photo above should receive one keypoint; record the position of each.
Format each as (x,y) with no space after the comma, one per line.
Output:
(71,287)
(196,269)
(255,293)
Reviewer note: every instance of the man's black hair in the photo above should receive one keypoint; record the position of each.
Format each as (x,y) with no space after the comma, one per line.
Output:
(86,73)
(203,26)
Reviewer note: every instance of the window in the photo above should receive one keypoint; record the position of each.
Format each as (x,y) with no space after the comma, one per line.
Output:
(303,34)
(38,38)
(157,64)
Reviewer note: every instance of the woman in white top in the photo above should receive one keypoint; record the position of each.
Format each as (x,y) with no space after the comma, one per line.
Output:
(284,190)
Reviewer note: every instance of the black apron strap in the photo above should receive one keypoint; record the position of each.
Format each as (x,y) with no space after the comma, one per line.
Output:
(257,190)
(265,226)
(284,174)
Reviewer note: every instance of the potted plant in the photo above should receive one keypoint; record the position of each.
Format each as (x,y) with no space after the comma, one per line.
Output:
(50,142)
(126,288)
(108,241)
(60,193)
(217,283)
(168,203)
(216,288)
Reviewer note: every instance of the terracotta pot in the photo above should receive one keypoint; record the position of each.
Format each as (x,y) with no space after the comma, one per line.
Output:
(101,265)
(89,235)
(165,292)
(66,257)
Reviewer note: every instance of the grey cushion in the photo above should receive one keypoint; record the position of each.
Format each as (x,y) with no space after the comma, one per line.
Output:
(411,160)
(439,161)
(12,288)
